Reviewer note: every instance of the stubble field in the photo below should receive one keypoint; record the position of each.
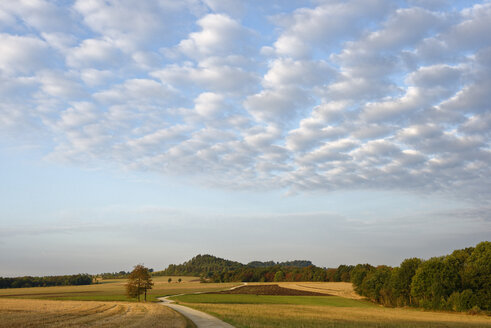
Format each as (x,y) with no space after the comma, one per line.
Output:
(47,313)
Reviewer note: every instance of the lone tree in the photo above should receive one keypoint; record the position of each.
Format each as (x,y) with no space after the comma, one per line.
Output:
(139,281)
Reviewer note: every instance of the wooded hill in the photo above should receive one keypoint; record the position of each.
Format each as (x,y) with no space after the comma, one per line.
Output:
(209,266)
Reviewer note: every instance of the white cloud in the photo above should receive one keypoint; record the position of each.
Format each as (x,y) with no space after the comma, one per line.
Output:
(94,53)
(285,72)
(332,95)
(22,54)
(219,35)
(79,115)
(327,25)
(230,7)
(60,85)
(40,14)
(131,24)
(137,91)
(436,76)
(94,77)
(218,78)
(277,105)
(210,105)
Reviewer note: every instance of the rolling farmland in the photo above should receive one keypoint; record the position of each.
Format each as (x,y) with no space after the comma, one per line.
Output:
(105,305)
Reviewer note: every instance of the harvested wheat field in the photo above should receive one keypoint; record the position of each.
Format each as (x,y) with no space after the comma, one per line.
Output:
(46,313)
(343,289)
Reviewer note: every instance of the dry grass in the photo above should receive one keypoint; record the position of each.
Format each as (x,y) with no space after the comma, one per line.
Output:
(343,289)
(285,316)
(46,313)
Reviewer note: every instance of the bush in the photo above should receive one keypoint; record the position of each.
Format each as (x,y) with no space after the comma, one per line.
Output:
(463,301)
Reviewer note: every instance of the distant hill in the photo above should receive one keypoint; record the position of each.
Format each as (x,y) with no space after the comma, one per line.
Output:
(209,265)
(201,265)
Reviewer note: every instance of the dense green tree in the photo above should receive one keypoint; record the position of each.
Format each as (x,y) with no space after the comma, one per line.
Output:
(279,276)
(359,273)
(426,285)
(401,279)
(477,274)
(343,273)
(376,284)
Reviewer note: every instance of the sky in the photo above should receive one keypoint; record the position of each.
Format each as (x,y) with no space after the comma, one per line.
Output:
(150,131)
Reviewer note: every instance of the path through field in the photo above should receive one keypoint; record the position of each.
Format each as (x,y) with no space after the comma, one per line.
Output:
(46,313)
(200,319)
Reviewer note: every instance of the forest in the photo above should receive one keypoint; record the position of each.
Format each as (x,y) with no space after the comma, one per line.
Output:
(460,281)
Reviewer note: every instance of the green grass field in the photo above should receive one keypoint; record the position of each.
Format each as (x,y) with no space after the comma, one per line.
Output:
(335,301)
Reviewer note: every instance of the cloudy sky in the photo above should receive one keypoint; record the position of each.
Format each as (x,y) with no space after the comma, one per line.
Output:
(151,131)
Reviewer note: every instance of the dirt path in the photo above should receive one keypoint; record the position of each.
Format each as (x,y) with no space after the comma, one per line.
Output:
(200,319)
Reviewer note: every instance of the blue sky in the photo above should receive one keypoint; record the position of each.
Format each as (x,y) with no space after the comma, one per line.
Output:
(148,132)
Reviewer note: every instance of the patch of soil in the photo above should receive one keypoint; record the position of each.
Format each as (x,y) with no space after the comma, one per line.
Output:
(269,290)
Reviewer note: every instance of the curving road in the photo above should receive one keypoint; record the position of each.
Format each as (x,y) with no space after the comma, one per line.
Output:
(200,319)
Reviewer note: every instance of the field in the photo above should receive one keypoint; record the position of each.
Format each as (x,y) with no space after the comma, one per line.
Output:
(112,290)
(46,313)
(271,299)
(105,305)
(343,289)
(261,311)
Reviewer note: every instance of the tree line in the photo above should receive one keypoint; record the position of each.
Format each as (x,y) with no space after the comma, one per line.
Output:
(460,281)
(214,269)
(28,281)
(296,263)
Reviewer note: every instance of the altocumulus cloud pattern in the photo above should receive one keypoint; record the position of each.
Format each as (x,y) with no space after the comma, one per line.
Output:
(320,95)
